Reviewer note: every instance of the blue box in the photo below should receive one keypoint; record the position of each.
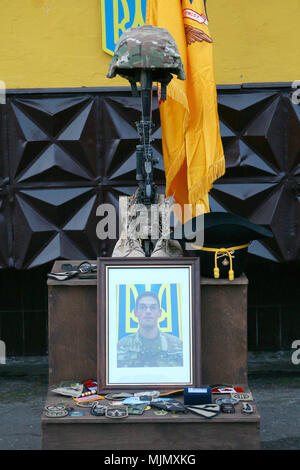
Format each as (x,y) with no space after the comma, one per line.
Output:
(197,396)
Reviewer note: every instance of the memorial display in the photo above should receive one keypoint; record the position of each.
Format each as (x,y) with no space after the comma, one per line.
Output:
(151,351)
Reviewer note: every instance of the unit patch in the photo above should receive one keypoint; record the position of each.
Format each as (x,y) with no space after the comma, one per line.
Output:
(116,412)
(207,411)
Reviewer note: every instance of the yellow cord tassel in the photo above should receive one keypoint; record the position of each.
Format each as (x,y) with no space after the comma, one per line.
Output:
(227,251)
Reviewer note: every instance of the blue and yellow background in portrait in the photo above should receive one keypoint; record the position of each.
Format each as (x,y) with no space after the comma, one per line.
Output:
(170,303)
(117,16)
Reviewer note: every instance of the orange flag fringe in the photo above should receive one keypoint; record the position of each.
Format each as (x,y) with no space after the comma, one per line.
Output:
(192,147)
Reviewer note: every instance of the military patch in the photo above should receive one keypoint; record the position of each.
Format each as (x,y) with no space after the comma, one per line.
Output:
(98,410)
(227,401)
(206,411)
(145,398)
(161,412)
(151,393)
(136,409)
(163,399)
(247,408)
(86,404)
(227,408)
(56,413)
(134,401)
(55,407)
(173,405)
(118,396)
(116,412)
(247,396)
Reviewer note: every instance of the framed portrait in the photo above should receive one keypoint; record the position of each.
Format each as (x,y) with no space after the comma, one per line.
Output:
(148,323)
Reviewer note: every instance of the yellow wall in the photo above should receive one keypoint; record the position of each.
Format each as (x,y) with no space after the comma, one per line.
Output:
(57,43)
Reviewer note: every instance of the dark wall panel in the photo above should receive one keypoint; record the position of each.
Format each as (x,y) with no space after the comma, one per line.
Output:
(65,152)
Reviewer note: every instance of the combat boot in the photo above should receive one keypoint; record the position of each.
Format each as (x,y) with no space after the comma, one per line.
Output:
(165,248)
(128,246)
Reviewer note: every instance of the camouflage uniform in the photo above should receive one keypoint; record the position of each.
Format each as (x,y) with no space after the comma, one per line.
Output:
(163,351)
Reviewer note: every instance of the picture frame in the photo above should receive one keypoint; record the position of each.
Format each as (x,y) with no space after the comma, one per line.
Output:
(148,324)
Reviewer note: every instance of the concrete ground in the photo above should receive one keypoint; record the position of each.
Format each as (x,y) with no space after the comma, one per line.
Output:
(273,380)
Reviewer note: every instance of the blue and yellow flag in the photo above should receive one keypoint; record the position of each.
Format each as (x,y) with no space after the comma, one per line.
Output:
(192,147)
(169,296)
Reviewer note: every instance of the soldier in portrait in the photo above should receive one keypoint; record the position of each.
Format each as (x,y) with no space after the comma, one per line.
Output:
(149,347)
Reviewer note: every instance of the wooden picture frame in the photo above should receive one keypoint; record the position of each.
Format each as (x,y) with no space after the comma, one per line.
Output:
(127,358)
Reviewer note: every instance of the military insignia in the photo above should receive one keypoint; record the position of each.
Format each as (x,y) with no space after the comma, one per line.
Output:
(86,404)
(206,411)
(160,412)
(56,413)
(195,35)
(247,396)
(136,409)
(163,399)
(134,401)
(227,401)
(55,407)
(225,262)
(118,396)
(173,405)
(152,394)
(247,408)
(117,16)
(145,398)
(227,408)
(98,410)
(116,412)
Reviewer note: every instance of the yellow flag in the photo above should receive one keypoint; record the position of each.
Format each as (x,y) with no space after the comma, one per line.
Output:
(192,147)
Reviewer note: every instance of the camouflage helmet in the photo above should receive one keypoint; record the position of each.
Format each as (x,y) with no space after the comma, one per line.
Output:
(146,48)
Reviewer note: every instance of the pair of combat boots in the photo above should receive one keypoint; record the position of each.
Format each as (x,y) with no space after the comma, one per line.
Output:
(156,225)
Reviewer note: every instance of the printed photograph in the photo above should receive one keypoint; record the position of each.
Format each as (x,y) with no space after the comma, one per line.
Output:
(149,325)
